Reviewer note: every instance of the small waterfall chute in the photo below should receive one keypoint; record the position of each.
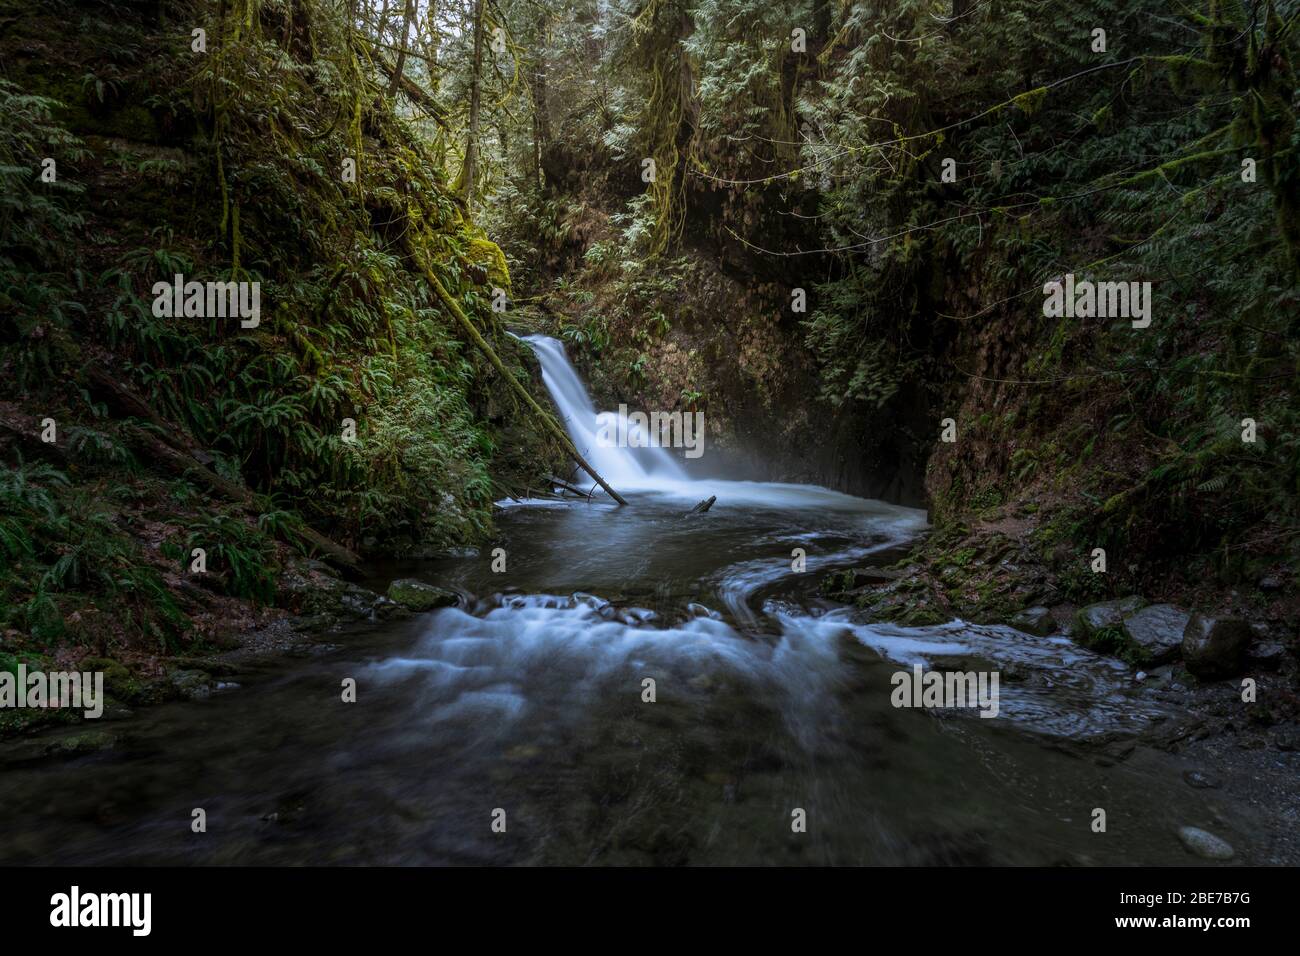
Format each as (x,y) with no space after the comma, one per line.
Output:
(482,345)
(635,460)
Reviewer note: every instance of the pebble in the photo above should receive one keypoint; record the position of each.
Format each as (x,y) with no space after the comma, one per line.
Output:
(1199,780)
(1205,844)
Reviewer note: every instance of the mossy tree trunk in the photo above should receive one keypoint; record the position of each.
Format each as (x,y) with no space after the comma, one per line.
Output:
(469,168)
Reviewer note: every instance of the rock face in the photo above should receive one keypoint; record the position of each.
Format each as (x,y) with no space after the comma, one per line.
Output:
(1215,646)
(1034,620)
(1156,633)
(418,596)
(1205,844)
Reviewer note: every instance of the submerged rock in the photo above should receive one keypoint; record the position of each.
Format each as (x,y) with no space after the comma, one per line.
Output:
(1156,633)
(418,596)
(1205,844)
(699,610)
(191,684)
(1215,646)
(1034,620)
(1200,780)
(84,742)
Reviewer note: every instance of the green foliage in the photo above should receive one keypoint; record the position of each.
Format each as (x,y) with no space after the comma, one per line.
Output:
(38,294)
(61,550)
(240,552)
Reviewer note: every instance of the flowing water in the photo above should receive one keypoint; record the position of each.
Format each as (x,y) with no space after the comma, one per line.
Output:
(529,699)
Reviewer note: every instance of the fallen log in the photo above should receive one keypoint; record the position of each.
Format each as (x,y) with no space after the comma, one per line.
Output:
(572,489)
(125,401)
(187,460)
(185,466)
(459,315)
(26,435)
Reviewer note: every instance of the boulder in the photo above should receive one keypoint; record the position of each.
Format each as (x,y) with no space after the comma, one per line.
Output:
(1034,620)
(1215,646)
(1266,655)
(1155,633)
(418,596)
(1107,615)
(190,684)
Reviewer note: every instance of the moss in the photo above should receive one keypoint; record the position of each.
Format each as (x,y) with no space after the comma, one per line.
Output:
(485,253)
(964,556)
(1030,101)
(117,679)
(923,616)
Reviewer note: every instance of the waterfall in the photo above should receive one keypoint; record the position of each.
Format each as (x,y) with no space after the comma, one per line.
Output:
(621,467)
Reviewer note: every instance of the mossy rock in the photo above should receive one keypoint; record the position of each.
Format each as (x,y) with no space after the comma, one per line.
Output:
(117,679)
(1106,615)
(485,253)
(418,596)
(1034,620)
(921,617)
(1101,628)
(83,742)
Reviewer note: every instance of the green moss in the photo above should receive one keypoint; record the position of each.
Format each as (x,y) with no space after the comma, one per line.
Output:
(1030,101)
(117,679)
(485,253)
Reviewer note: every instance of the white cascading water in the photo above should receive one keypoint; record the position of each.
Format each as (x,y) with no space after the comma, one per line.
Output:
(628,467)
(493,657)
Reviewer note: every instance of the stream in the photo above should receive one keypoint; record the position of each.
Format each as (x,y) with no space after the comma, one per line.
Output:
(528,699)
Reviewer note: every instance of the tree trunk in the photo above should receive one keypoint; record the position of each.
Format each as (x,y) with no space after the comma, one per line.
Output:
(481,343)
(469,170)
(401,48)
(541,112)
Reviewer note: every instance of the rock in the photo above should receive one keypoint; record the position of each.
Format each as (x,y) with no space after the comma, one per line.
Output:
(84,742)
(1107,615)
(418,596)
(583,599)
(1270,582)
(1156,633)
(863,576)
(1199,780)
(1215,647)
(191,684)
(117,679)
(634,616)
(323,601)
(115,710)
(1205,844)
(386,609)
(1266,655)
(1034,620)
(699,610)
